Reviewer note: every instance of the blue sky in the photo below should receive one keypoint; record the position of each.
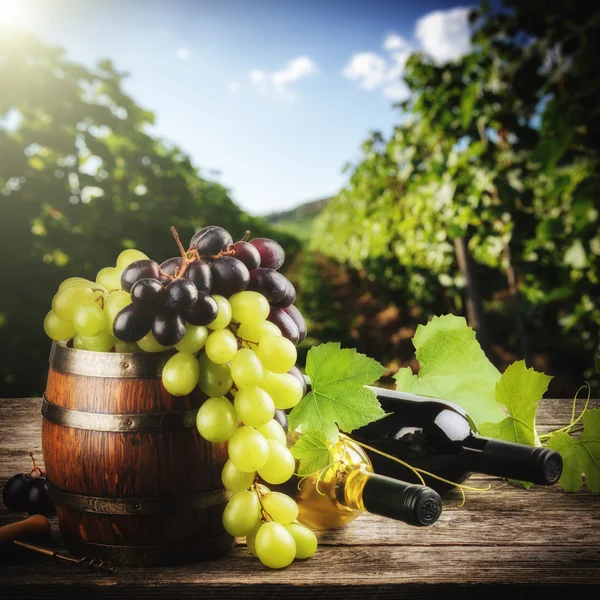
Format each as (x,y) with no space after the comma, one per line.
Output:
(275,95)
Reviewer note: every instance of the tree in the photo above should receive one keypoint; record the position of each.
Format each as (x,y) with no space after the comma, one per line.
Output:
(80,180)
(489,184)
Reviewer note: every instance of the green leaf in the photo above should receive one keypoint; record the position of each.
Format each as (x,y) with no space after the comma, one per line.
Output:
(454,368)
(312,450)
(580,455)
(519,391)
(338,398)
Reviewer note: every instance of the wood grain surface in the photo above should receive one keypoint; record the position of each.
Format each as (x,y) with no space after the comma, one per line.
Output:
(506,540)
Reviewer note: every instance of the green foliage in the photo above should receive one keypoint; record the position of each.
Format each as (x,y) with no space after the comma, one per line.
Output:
(519,391)
(580,455)
(498,148)
(81,178)
(312,450)
(338,398)
(453,367)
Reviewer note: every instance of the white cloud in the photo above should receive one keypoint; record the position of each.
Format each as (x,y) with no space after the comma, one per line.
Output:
(444,35)
(277,84)
(234,87)
(183,53)
(393,41)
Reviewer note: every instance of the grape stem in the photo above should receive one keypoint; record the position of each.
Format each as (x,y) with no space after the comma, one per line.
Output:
(265,515)
(38,472)
(185,261)
(246,236)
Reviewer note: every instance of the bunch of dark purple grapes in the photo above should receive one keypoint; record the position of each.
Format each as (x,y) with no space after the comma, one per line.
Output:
(28,492)
(181,289)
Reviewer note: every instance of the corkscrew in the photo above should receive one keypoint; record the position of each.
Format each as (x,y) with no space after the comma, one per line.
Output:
(38,525)
(94,564)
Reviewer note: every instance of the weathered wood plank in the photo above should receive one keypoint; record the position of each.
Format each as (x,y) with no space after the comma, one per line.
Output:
(505,537)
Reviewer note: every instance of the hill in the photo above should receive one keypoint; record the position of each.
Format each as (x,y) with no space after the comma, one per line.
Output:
(298,221)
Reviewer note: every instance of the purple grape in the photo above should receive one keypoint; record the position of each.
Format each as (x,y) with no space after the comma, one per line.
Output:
(286,324)
(203,312)
(181,295)
(16,492)
(199,274)
(140,269)
(269,283)
(298,319)
(289,297)
(131,324)
(229,276)
(295,371)
(38,499)
(211,240)
(168,327)
(148,295)
(271,253)
(281,418)
(248,254)
(170,267)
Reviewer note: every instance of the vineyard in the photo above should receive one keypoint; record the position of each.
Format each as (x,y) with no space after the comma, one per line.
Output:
(483,201)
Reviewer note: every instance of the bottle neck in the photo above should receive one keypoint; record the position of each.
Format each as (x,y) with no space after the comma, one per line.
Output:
(368,492)
(513,461)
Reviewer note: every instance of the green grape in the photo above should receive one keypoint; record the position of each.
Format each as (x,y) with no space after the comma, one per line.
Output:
(273,431)
(285,389)
(251,334)
(235,480)
(215,380)
(277,354)
(78,343)
(251,539)
(306,540)
(58,329)
(246,368)
(248,449)
(242,513)
(223,317)
(180,374)
(114,303)
(127,257)
(249,308)
(216,420)
(126,347)
(110,278)
(254,406)
(149,344)
(103,342)
(69,298)
(73,281)
(221,346)
(275,546)
(194,339)
(279,466)
(89,319)
(280,507)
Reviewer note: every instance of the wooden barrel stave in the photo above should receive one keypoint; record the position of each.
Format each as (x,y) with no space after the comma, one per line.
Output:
(158,464)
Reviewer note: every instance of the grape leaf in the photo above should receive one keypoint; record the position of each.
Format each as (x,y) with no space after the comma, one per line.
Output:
(338,398)
(519,391)
(454,368)
(580,455)
(312,450)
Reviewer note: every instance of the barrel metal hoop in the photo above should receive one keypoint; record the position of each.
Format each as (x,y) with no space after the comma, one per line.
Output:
(139,506)
(115,365)
(167,421)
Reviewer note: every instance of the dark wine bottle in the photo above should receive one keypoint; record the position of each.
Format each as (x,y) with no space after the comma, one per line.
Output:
(440,437)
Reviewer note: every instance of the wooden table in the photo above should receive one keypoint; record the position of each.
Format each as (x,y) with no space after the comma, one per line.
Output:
(507,540)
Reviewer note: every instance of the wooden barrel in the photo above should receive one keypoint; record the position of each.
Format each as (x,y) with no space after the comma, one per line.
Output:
(132,479)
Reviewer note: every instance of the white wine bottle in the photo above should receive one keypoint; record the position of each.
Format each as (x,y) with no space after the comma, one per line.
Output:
(349,487)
